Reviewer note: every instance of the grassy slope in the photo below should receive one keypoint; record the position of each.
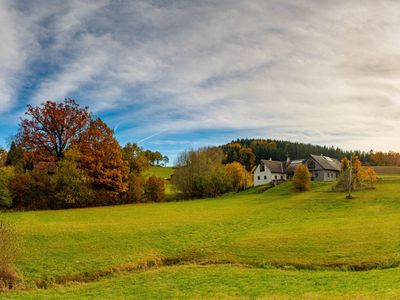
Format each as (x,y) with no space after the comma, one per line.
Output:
(319,229)
(163,172)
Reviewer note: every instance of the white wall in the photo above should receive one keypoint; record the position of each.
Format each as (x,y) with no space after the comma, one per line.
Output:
(266,176)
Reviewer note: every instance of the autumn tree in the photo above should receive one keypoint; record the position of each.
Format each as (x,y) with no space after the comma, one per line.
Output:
(102,159)
(51,128)
(369,176)
(136,157)
(361,178)
(302,178)
(247,158)
(154,189)
(135,188)
(238,175)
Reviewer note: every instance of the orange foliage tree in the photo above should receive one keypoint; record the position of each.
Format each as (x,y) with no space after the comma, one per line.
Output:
(51,128)
(369,176)
(102,158)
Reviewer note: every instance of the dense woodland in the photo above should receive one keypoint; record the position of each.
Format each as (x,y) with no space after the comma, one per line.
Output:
(250,151)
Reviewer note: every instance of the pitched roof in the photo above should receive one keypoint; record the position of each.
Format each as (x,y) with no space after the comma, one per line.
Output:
(293,165)
(274,166)
(326,162)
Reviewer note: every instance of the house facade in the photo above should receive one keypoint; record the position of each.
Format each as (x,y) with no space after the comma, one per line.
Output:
(322,168)
(269,171)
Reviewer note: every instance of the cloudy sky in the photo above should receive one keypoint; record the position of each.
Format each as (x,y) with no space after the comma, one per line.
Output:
(174,75)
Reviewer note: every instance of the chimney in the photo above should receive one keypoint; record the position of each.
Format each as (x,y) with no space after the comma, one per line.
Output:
(270,159)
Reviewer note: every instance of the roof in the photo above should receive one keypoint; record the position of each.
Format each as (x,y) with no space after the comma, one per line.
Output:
(274,166)
(293,165)
(326,162)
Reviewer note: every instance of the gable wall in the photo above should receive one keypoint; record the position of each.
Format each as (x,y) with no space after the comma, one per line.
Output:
(266,177)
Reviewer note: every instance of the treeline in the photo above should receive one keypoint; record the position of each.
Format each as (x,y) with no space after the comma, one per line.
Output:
(386,158)
(64,157)
(250,151)
(201,173)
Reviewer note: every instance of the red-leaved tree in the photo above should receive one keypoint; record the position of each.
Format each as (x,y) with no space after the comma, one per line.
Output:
(51,128)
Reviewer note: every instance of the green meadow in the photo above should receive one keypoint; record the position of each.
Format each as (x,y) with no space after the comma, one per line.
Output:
(276,244)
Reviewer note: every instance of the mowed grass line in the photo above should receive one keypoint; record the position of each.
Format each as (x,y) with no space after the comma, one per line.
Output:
(225,281)
(318,229)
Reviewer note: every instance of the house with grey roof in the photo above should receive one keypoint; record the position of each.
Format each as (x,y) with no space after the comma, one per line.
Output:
(322,168)
(269,171)
(291,167)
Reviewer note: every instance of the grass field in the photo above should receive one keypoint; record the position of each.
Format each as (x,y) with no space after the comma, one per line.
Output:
(275,244)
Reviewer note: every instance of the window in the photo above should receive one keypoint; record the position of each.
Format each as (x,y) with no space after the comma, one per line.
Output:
(311,165)
(276,177)
(258,177)
(265,177)
(329,174)
(281,176)
(262,168)
(315,174)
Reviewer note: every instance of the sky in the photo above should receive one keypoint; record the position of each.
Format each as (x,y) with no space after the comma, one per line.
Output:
(177,75)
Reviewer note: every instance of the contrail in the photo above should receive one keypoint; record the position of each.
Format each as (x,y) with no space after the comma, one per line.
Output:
(150,136)
(116,127)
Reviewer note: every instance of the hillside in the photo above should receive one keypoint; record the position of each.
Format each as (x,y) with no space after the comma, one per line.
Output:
(275,243)
(163,172)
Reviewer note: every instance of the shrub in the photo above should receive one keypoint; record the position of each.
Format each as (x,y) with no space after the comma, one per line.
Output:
(32,190)
(6,175)
(135,189)
(19,188)
(302,179)
(9,250)
(71,186)
(154,189)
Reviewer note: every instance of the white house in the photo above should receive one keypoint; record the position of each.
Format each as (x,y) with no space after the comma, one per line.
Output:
(269,171)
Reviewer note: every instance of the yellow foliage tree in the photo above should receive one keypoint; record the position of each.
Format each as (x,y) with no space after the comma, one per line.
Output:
(369,176)
(302,179)
(238,175)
